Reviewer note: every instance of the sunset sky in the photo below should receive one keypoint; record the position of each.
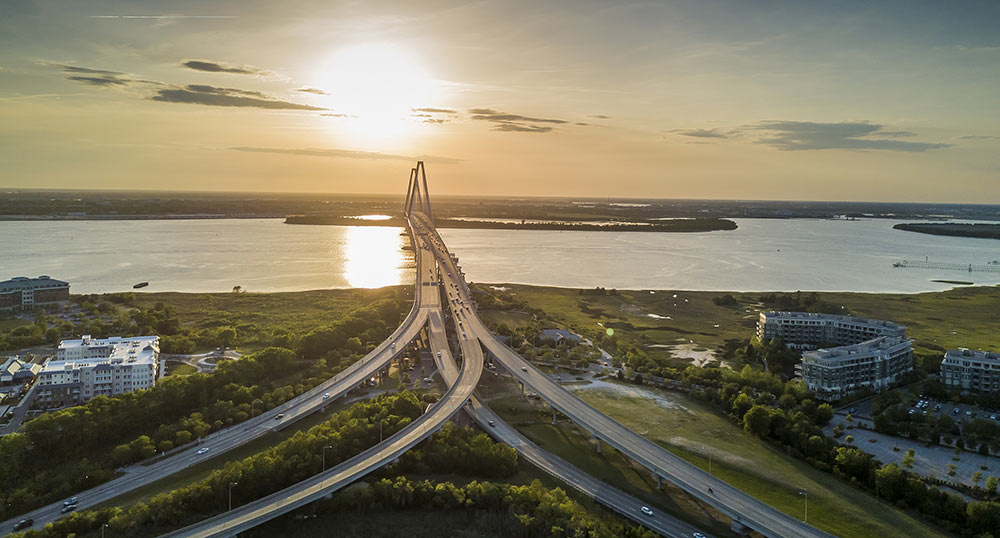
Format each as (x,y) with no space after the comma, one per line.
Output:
(895,101)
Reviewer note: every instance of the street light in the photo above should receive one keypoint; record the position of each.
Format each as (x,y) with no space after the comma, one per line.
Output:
(806,495)
(324,456)
(102,529)
(231,484)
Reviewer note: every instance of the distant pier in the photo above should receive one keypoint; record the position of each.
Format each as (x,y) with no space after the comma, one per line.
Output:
(992,267)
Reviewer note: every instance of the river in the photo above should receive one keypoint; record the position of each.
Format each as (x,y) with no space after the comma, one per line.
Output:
(267,255)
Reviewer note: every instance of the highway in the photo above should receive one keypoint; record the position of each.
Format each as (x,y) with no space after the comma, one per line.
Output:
(744,509)
(615,499)
(261,510)
(217,443)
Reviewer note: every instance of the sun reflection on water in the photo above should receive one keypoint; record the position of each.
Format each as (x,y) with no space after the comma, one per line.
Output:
(373,257)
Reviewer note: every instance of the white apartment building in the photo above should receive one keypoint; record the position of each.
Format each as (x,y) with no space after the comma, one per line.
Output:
(971,370)
(802,329)
(91,367)
(861,353)
(875,364)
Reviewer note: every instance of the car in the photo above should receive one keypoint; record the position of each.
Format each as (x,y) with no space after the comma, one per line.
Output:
(279,416)
(993,417)
(326,396)
(698,535)
(605,363)
(439,354)
(67,509)
(70,502)
(202,450)
(646,510)
(524,368)
(955,411)
(492,424)
(968,413)
(23,524)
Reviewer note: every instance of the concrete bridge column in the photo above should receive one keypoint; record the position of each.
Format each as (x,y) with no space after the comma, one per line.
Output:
(522,389)
(738,527)
(553,416)
(598,446)
(659,481)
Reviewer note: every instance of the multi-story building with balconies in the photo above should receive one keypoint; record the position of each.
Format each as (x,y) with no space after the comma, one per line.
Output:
(91,367)
(856,353)
(971,370)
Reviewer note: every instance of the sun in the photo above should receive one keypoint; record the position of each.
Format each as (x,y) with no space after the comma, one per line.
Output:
(376,86)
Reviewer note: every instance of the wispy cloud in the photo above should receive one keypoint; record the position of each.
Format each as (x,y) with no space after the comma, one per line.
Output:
(334,115)
(316,91)
(346,153)
(599,116)
(94,77)
(217,67)
(197,94)
(504,121)
(700,133)
(858,135)
(978,137)
(434,110)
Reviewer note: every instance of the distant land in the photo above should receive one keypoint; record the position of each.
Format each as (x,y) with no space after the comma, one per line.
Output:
(679,225)
(983,231)
(113,205)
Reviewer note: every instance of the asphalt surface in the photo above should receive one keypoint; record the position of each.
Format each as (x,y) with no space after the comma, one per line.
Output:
(266,508)
(743,508)
(138,475)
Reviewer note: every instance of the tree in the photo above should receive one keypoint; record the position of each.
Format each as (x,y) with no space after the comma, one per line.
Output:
(991,484)
(908,459)
(824,413)
(757,421)
(742,404)
(227,336)
(977,476)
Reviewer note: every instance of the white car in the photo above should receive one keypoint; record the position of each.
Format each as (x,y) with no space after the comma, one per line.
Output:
(326,396)
(698,535)
(202,450)
(646,510)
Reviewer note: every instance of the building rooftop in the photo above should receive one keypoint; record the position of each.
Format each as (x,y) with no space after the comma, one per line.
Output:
(857,350)
(831,317)
(118,350)
(26,283)
(971,354)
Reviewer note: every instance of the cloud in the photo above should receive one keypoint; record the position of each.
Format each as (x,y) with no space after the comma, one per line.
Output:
(513,122)
(599,116)
(436,120)
(346,153)
(198,94)
(100,81)
(807,135)
(700,133)
(516,127)
(316,91)
(334,115)
(94,77)
(433,110)
(216,67)
(977,137)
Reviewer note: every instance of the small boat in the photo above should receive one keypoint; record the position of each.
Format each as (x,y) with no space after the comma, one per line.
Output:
(140,285)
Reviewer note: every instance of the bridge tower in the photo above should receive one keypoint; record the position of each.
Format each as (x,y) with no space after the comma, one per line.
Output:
(416,192)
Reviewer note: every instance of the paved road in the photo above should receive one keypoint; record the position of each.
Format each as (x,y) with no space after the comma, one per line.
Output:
(609,496)
(138,475)
(20,411)
(288,499)
(743,508)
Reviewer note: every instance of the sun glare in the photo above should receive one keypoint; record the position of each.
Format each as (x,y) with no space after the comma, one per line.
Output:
(373,257)
(376,86)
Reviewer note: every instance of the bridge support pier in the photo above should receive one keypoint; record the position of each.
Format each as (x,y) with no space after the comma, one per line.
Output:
(553,416)
(598,446)
(522,389)
(659,482)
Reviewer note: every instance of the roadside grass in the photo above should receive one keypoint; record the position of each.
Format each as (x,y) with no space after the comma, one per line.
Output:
(693,431)
(510,318)
(12,323)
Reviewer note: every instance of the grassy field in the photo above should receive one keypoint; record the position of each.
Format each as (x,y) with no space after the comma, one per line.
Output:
(296,312)
(961,317)
(692,431)
(180,368)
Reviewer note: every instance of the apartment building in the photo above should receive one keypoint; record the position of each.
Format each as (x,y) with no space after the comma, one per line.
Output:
(859,353)
(91,367)
(971,370)
(23,293)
